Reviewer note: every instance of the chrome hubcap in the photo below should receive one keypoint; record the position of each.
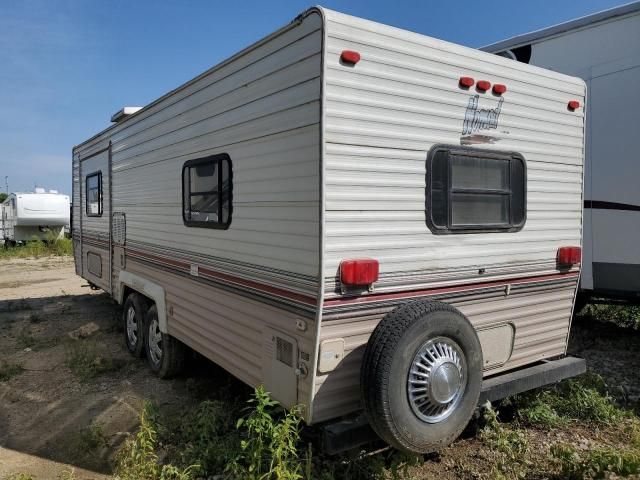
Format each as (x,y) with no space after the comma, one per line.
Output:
(155,342)
(132,326)
(437,379)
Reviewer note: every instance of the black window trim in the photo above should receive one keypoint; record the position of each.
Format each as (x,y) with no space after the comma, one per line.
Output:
(219,158)
(86,194)
(472,228)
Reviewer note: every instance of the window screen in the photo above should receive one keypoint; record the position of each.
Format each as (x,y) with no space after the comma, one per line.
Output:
(472,190)
(93,192)
(207,192)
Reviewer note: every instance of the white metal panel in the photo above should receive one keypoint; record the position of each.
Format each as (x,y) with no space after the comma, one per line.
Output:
(385,113)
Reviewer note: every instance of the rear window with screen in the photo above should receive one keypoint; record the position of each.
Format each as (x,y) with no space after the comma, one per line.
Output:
(207,192)
(472,190)
(93,192)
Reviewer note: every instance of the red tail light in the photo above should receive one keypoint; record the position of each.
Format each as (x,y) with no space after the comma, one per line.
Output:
(573,105)
(350,57)
(568,256)
(466,82)
(499,89)
(483,85)
(360,272)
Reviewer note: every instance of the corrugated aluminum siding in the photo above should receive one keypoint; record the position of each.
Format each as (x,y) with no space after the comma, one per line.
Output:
(381,118)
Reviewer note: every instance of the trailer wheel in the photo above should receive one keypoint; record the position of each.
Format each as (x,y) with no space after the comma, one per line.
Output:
(421,376)
(133,315)
(165,354)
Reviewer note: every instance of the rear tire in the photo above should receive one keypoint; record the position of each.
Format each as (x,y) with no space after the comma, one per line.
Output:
(165,354)
(133,318)
(421,376)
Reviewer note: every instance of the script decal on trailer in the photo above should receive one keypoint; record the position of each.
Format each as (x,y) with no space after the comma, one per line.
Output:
(477,119)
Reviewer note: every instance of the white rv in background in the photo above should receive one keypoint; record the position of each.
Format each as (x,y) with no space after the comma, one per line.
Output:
(360,218)
(604,50)
(39,215)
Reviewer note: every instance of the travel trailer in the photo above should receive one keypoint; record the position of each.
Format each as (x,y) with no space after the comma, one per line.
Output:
(371,223)
(38,215)
(604,50)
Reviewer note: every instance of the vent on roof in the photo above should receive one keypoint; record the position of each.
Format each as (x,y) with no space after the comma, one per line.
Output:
(124,113)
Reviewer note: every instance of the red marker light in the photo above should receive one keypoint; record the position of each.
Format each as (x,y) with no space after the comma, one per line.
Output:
(499,89)
(350,57)
(574,104)
(483,85)
(568,256)
(360,272)
(466,82)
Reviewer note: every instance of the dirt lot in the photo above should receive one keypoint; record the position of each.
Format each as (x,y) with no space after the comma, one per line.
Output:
(56,417)
(49,416)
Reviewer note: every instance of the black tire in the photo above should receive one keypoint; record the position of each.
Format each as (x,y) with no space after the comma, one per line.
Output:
(134,332)
(168,361)
(384,375)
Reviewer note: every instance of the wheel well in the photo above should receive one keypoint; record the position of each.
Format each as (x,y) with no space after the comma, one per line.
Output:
(127,290)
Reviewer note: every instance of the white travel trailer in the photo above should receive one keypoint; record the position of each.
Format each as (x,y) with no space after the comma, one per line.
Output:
(38,215)
(356,216)
(604,50)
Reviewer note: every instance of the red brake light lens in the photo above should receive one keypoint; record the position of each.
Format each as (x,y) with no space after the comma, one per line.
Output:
(466,82)
(499,89)
(350,57)
(360,272)
(568,256)
(574,104)
(483,85)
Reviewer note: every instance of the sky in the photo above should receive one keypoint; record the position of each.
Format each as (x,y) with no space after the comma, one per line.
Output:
(67,65)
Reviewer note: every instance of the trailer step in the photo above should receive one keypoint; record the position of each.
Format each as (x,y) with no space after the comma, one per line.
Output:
(518,381)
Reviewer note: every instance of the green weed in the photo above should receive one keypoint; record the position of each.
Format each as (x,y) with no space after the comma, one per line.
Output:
(627,316)
(37,248)
(268,448)
(138,459)
(20,476)
(9,370)
(584,398)
(86,362)
(26,339)
(597,462)
(510,444)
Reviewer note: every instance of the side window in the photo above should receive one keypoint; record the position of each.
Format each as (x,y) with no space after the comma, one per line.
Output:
(93,192)
(207,192)
(472,191)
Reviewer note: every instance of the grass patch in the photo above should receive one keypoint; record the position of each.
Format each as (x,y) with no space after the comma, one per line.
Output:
(37,248)
(510,444)
(86,362)
(26,339)
(9,370)
(92,437)
(138,459)
(20,476)
(596,463)
(583,398)
(626,316)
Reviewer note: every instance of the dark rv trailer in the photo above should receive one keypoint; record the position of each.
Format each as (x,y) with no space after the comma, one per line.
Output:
(604,50)
(361,218)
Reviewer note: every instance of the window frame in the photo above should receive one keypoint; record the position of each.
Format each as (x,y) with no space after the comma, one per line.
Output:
(86,194)
(449,228)
(217,158)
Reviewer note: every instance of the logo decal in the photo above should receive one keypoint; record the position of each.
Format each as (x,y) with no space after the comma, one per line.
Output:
(476,119)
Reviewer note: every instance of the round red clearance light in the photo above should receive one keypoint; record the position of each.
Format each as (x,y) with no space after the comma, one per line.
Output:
(574,105)
(466,82)
(499,89)
(483,85)
(349,57)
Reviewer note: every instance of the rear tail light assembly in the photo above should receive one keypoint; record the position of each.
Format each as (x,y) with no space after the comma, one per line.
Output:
(349,57)
(499,88)
(466,82)
(362,272)
(573,105)
(569,256)
(483,85)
